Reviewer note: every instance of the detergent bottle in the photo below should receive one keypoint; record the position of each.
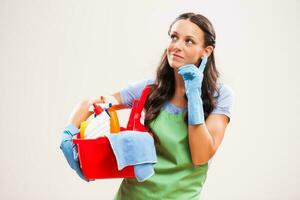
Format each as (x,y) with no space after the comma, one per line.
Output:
(114,121)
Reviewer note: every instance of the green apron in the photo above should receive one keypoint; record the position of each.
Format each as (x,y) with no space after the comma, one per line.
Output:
(175,175)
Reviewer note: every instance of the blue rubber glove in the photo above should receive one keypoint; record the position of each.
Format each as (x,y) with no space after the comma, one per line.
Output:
(193,78)
(70,150)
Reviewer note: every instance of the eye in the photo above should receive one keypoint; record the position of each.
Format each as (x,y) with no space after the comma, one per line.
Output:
(189,41)
(192,42)
(172,36)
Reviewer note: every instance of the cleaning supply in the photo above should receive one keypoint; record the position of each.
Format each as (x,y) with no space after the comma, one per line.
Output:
(114,121)
(97,159)
(98,126)
(97,109)
(83,126)
(101,130)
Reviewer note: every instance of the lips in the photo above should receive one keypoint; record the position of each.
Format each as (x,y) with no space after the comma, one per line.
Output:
(177,56)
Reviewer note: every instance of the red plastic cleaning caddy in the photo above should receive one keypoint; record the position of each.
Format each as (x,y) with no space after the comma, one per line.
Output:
(96,156)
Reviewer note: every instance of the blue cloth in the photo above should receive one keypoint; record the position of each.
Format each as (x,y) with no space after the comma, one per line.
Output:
(134,148)
(70,150)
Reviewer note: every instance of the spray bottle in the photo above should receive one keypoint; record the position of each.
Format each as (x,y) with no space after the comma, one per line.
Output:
(114,121)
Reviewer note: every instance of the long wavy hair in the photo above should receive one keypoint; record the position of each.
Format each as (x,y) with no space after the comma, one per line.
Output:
(163,88)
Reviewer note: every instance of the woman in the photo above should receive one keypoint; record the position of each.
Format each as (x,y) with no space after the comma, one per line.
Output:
(188,111)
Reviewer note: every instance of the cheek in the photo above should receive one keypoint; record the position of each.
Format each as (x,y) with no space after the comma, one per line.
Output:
(169,48)
(194,55)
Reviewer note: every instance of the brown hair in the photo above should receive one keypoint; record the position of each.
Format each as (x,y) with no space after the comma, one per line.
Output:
(164,87)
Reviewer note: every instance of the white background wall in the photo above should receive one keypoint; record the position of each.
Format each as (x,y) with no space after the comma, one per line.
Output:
(55,53)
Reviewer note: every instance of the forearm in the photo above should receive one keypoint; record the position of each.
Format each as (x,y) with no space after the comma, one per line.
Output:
(200,140)
(201,143)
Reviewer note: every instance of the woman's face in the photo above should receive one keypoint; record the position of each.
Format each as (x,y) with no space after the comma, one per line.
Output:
(186,41)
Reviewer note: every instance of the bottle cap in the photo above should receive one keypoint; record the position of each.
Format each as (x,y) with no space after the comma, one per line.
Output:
(97,109)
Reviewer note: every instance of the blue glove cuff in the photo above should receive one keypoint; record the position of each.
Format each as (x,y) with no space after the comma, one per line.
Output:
(68,133)
(72,129)
(195,108)
(70,150)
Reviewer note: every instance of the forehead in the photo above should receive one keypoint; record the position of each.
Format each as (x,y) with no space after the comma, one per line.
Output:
(187,28)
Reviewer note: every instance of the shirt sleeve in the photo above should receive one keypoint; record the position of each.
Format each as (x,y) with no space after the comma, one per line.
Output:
(133,91)
(225,101)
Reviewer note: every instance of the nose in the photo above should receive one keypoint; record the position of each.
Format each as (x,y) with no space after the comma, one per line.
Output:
(177,45)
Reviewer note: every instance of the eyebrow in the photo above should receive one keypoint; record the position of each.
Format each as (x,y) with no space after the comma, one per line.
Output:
(190,36)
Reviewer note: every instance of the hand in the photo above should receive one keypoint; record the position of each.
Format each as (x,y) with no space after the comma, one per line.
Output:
(70,149)
(81,112)
(193,78)
(192,75)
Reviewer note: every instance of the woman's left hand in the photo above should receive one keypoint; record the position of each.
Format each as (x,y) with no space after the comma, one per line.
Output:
(192,75)
(193,78)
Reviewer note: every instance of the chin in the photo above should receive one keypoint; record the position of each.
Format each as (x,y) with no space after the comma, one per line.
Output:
(175,65)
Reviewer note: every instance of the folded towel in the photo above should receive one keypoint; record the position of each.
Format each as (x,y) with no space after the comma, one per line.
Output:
(134,148)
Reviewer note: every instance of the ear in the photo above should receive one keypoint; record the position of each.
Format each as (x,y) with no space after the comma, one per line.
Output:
(208,50)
